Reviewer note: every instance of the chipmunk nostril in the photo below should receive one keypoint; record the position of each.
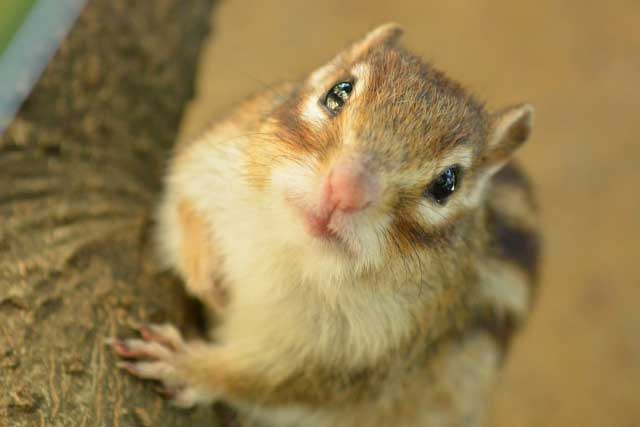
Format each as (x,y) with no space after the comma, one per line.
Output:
(352,187)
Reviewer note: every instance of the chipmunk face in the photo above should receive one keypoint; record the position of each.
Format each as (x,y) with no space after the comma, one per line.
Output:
(379,156)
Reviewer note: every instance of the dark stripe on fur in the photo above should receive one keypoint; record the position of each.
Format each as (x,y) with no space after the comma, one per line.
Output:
(513,244)
(512,175)
(501,326)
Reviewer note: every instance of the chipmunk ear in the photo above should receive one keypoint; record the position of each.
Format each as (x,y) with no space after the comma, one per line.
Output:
(384,35)
(510,128)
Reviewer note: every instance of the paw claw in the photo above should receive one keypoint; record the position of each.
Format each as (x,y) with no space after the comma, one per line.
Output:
(144,332)
(167,392)
(166,335)
(127,366)
(159,355)
(119,347)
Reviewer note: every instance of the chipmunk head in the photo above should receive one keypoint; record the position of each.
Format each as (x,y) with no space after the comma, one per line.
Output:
(378,155)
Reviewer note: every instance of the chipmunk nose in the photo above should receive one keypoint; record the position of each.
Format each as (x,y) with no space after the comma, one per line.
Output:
(348,188)
(351,186)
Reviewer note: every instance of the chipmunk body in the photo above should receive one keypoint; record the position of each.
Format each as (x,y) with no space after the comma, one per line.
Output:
(364,240)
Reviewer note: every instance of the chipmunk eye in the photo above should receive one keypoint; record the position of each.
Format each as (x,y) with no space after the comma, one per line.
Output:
(444,185)
(337,96)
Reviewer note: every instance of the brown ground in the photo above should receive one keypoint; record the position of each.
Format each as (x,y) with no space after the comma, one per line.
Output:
(578,362)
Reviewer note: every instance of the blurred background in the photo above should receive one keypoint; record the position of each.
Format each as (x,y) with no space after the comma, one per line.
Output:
(577,363)
(12,13)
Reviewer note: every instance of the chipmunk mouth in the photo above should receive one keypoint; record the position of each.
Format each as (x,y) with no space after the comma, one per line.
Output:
(324,226)
(329,210)
(320,226)
(318,223)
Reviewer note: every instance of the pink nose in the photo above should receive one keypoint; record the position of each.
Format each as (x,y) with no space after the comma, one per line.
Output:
(351,187)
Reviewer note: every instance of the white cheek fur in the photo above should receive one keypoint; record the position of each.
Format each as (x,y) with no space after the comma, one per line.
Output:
(312,112)
(361,73)
(295,180)
(434,214)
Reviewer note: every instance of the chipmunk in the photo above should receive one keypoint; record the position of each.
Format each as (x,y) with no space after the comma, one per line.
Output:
(365,241)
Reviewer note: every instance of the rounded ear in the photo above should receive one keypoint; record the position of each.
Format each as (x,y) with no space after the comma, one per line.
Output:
(510,128)
(384,35)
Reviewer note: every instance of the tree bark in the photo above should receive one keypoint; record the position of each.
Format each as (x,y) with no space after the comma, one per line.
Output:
(80,170)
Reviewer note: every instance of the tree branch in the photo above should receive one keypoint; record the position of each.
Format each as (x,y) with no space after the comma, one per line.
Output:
(80,170)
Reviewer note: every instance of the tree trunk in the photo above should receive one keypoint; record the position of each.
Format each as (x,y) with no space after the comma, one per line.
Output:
(80,170)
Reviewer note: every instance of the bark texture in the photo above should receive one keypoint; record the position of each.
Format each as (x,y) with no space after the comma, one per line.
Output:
(80,170)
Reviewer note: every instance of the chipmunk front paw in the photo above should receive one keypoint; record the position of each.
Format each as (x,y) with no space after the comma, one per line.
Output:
(162,355)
